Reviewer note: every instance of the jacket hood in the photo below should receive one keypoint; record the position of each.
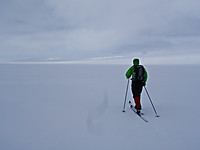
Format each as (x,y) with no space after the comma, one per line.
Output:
(136,62)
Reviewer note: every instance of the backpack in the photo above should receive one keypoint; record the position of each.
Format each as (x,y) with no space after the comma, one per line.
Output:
(139,73)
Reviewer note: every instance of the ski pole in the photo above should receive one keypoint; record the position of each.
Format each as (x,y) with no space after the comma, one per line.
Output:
(125,96)
(151,102)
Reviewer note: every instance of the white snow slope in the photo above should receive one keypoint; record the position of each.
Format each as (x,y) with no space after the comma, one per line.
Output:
(79,107)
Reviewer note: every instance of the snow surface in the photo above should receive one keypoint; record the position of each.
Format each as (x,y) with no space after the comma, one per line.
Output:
(76,107)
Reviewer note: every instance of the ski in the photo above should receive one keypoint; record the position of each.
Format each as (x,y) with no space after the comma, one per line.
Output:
(131,106)
(139,115)
(135,111)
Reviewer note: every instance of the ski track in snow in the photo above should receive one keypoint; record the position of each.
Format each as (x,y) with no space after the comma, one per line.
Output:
(164,134)
(94,118)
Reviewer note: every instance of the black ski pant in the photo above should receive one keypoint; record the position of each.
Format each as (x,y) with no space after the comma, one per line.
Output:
(137,88)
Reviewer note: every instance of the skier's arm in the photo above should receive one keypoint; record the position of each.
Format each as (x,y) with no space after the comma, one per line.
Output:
(145,78)
(129,72)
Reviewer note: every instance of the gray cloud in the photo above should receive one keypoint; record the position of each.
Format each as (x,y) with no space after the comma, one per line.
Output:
(90,28)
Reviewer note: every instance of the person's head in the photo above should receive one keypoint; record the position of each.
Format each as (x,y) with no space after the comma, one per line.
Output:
(136,62)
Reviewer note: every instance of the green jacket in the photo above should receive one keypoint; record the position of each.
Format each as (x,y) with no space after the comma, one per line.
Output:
(131,70)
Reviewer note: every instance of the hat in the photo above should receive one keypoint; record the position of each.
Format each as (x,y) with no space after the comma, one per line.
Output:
(136,62)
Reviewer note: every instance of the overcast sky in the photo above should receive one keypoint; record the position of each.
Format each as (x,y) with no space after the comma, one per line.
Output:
(81,29)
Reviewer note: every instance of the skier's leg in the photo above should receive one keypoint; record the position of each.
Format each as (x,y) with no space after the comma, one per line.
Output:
(137,95)
(137,102)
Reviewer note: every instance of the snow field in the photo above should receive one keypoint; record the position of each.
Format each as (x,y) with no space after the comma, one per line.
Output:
(62,106)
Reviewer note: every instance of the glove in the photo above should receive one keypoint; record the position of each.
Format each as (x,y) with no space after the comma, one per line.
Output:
(143,83)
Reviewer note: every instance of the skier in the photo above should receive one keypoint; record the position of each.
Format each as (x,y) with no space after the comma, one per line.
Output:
(139,78)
